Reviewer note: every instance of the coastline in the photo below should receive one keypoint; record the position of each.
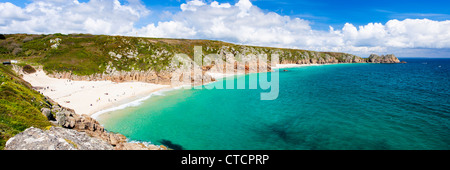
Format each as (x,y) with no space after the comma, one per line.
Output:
(218,76)
(135,101)
(90,97)
(80,94)
(281,66)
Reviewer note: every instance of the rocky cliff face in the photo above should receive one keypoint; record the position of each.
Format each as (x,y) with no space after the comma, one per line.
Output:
(390,58)
(72,132)
(121,59)
(345,58)
(56,138)
(229,57)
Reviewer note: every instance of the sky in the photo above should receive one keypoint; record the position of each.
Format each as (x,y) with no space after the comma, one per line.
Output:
(404,28)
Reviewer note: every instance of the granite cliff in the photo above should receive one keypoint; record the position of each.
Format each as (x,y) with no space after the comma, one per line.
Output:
(121,59)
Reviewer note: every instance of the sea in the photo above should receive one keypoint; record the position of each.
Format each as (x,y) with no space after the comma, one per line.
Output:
(358,106)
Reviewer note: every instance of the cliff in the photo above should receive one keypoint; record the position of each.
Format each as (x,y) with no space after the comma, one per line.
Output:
(120,59)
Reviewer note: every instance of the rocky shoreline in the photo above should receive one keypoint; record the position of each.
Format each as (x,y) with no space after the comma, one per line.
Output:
(71,131)
(373,58)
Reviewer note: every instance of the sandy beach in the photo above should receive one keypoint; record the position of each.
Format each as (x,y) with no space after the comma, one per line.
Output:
(89,97)
(279,66)
(94,97)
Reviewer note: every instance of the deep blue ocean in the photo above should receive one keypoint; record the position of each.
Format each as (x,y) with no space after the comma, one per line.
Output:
(340,106)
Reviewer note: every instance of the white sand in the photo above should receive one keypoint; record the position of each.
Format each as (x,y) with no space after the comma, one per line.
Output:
(97,97)
(218,76)
(80,95)
(278,66)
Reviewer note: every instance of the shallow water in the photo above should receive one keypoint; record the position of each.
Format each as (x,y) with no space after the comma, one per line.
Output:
(341,106)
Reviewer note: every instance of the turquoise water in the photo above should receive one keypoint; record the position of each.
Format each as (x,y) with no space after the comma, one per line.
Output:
(341,106)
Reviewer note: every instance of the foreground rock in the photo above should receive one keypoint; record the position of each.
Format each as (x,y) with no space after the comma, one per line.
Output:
(68,119)
(56,138)
(74,132)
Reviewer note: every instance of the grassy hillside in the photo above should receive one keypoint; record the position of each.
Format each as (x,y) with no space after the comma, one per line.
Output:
(19,106)
(84,54)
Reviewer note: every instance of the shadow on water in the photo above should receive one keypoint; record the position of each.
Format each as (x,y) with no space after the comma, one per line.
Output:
(287,135)
(284,131)
(171,145)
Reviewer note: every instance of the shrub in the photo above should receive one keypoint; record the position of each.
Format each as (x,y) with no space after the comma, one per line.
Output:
(29,69)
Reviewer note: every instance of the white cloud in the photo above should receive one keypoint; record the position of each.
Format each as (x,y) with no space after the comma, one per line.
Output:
(241,23)
(217,5)
(245,23)
(68,16)
(10,13)
(192,5)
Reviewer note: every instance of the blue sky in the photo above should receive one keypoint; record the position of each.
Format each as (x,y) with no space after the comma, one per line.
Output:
(336,13)
(408,28)
(322,13)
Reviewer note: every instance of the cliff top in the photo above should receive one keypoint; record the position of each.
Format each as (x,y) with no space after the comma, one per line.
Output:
(85,54)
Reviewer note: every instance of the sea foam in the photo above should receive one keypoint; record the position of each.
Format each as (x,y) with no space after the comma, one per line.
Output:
(135,102)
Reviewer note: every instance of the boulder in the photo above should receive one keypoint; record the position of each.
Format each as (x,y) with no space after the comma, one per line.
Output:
(56,138)
(67,118)
(47,113)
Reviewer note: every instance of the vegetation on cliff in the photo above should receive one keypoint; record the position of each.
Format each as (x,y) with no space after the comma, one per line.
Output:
(19,106)
(84,54)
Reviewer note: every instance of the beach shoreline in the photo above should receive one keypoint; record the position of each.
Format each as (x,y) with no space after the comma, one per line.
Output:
(94,98)
(281,66)
(89,97)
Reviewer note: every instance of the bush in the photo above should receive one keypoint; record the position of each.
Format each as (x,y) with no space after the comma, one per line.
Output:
(29,69)
(16,51)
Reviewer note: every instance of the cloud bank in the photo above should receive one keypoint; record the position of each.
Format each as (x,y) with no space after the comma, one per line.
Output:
(242,23)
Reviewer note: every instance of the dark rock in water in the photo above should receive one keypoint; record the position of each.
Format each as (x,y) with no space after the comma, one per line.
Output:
(403,62)
(171,145)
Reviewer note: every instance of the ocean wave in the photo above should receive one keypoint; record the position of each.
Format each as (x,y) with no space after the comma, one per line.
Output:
(135,102)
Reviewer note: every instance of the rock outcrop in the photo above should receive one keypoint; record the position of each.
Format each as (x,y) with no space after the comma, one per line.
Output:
(67,118)
(317,58)
(72,132)
(47,113)
(56,138)
(390,58)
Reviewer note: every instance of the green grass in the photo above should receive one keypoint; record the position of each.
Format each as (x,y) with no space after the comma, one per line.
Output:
(19,106)
(85,54)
